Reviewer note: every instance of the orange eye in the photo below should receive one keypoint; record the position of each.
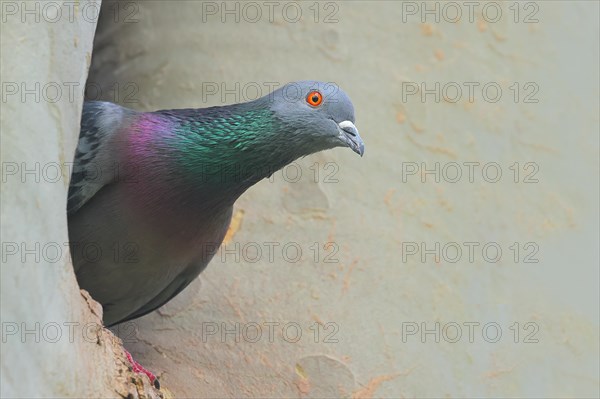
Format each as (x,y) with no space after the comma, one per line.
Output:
(314,98)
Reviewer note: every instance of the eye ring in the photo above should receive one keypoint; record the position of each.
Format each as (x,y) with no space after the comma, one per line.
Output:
(314,98)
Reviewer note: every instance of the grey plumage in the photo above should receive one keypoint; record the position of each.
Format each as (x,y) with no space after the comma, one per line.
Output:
(145,217)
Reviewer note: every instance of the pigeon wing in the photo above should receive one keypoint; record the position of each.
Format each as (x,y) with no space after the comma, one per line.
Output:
(96,163)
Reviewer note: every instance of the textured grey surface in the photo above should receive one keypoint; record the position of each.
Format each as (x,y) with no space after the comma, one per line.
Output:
(172,57)
(41,355)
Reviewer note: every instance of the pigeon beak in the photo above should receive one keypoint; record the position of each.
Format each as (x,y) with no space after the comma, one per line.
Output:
(349,135)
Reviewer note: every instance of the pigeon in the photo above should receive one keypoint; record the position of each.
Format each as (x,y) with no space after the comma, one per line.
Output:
(152,193)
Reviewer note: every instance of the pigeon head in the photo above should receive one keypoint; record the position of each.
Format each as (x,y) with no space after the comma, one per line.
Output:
(229,148)
(316,116)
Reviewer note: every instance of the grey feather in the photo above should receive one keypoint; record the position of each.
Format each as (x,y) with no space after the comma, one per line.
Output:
(95,164)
